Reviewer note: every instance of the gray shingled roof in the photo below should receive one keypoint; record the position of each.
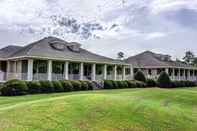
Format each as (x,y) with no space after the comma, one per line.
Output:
(8,51)
(150,59)
(42,48)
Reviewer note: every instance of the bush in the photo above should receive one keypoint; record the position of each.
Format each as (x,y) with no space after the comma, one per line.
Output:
(115,85)
(67,86)
(108,84)
(132,84)
(57,86)
(84,85)
(122,84)
(14,88)
(183,84)
(34,87)
(47,86)
(151,83)
(139,76)
(76,85)
(140,84)
(164,80)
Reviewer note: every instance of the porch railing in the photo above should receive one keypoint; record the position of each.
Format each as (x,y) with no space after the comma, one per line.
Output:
(110,77)
(119,77)
(40,76)
(58,77)
(74,76)
(99,77)
(2,76)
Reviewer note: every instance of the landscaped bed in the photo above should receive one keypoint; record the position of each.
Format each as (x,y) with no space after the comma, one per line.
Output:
(137,109)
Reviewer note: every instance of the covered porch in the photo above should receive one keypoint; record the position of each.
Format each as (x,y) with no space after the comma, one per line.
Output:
(40,69)
(176,74)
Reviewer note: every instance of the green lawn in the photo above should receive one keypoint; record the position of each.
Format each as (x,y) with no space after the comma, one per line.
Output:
(150,109)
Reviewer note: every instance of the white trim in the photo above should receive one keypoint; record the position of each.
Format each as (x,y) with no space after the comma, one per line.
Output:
(158,67)
(71,60)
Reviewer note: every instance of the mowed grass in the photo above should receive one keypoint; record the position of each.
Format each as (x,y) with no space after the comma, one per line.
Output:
(149,109)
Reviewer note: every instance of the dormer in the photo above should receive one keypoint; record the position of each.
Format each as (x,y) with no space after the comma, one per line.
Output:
(58,45)
(73,46)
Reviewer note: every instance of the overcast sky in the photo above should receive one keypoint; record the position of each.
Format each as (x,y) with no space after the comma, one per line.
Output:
(104,26)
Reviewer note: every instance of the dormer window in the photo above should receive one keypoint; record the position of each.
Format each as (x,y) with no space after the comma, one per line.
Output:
(75,47)
(57,45)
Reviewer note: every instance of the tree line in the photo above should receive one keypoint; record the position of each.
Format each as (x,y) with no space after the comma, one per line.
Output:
(190,58)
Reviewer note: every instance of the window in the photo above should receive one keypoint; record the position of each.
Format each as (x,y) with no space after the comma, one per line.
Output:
(149,71)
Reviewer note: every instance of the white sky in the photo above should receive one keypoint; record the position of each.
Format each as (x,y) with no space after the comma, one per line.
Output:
(163,26)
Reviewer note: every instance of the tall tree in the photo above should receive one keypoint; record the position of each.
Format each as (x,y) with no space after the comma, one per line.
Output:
(120,55)
(189,57)
(194,62)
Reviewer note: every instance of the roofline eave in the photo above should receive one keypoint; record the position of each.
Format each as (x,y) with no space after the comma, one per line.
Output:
(155,67)
(62,59)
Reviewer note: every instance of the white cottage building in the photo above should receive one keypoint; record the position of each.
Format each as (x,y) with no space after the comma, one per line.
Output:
(152,64)
(55,59)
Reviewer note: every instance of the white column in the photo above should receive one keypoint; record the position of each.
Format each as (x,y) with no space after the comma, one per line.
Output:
(124,73)
(81,71)
(184,78)
(30,70)
(8,70)
(167,70)
(105,72)
(66,68)
(93,74)
(173,74)
(193,78)
(49,72)
(188,77)
(179,77)
(19,69)
(131,72)
(115,72)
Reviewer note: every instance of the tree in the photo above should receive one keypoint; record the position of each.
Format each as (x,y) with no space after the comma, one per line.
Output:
(164,80)
(120,55)
(189,57)
(140,76)
(194,62)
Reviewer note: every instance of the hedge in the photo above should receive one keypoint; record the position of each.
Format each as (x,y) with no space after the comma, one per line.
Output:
(176,84)
(14,88)
(58,87)
(19,87)
(151,83)
(109,84)
(47,87)
(34,87)
(67,86)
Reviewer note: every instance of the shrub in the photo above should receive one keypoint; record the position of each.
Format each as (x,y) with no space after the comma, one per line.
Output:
(57,86)
(76,85)
(46,86)
(151,83)
(132,84)
(122,84)
(164,80)
(140,84)
(139,76)
(14,88)
(115,85)
(183,84)
(67,85)
(34,87)
(108,84)
(84,85)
